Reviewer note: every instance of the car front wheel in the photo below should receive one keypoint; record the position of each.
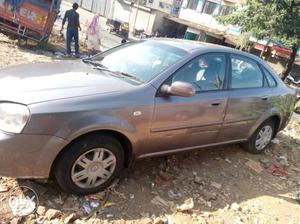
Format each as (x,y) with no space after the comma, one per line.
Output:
(261,138)
(90,164)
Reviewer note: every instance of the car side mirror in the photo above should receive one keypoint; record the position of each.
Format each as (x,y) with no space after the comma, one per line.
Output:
(179,88)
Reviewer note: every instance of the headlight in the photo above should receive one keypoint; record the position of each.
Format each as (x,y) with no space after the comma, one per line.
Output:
(13,117)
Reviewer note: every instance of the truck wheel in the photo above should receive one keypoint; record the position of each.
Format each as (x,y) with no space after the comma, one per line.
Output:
(261,138)
(90,164)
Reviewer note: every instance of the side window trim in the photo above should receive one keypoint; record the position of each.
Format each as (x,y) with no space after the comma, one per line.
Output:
(253,61)
(263,68)
(225,83)
(265,80)
(227,78)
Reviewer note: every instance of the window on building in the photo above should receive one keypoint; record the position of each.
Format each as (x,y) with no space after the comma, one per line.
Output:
(143,2)
(193,4)
(226,10)
(210,7)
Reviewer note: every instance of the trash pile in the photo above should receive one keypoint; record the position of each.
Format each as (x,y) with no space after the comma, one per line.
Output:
(94,203)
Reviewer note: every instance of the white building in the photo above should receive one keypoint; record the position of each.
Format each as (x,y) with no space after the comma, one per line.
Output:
(167,6)
(148,16)
(138,16)
(190,19)
(200,18)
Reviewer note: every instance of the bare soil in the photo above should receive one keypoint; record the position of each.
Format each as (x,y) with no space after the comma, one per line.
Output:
(225,184)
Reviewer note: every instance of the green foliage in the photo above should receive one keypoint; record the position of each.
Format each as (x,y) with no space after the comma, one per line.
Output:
(270,19)
(297,108)
(244,40)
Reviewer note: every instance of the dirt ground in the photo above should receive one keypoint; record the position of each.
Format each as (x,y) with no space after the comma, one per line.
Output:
(216,185)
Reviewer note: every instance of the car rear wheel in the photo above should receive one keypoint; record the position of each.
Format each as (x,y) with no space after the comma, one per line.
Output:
(261,138)
(90,164)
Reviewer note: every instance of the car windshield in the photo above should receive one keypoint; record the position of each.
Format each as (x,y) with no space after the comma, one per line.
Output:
(142,60)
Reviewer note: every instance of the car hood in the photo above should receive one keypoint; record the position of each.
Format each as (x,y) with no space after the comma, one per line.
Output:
(41,82)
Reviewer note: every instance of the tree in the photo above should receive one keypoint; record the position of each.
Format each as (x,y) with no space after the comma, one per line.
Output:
(271,20)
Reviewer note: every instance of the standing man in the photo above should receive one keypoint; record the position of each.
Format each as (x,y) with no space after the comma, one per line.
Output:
(72,29)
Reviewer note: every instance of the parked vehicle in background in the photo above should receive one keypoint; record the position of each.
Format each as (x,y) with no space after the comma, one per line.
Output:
(293,79)
(119,27)
(83,122)
(32,19)
(138,32)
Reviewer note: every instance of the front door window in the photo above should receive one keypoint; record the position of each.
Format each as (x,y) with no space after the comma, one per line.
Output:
(206,72)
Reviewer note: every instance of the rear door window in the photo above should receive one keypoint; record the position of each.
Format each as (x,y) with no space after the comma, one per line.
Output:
(245,73)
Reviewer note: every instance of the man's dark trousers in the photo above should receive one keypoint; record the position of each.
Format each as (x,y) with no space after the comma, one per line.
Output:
(72,34)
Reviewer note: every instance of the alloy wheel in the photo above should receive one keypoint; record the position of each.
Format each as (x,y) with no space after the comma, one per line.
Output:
(93,168)
(264,137)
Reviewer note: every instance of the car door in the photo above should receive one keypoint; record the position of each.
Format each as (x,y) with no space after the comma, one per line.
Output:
(182,122)
(249,98)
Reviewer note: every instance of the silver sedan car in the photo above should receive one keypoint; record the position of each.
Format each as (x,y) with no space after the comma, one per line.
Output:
(83,122)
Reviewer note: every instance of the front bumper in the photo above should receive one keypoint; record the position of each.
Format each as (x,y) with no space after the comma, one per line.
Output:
(28,156)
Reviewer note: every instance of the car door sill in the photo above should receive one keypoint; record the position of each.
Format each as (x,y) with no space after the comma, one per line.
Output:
(160,153)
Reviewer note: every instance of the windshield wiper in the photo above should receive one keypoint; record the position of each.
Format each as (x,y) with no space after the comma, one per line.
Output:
(97,64)
(120,74)
(130,76)
(101,67)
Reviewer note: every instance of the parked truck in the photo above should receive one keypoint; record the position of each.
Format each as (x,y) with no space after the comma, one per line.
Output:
(30,19)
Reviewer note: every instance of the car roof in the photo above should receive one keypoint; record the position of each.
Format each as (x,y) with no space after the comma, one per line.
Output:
(193,46)
(187,45)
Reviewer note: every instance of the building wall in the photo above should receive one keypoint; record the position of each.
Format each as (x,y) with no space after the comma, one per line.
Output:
(162,5)
(121,12)
(142,18)
(166,6)
(200,18)
(159,21)
(103,7)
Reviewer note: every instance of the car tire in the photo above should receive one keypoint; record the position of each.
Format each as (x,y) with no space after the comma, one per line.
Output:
(255,146)
(99,158)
